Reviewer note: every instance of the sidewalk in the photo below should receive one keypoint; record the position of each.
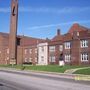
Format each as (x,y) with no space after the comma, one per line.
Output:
(71,71)
(48,74)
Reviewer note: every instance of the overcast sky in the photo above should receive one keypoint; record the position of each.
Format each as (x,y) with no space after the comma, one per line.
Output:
(42,18)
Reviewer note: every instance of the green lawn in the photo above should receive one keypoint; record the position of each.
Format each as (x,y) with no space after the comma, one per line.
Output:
(48,68)
(83,71)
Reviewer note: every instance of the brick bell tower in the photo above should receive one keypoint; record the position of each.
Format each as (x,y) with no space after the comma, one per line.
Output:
(13,32)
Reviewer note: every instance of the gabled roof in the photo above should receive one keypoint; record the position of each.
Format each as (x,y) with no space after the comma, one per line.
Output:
(58,38)
(30,40)
(77,27)
(4,34)
(67,37)
(84,34)
(23,39)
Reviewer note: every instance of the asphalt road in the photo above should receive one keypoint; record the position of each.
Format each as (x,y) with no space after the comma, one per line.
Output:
(13,81)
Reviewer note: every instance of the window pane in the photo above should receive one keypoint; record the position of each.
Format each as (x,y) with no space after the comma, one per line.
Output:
(84,43)
(61,47)
(67,45)
(84,57)
(52,48)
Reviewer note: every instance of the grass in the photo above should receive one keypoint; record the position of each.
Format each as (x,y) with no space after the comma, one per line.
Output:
(48,68)
(51,68)
(83,71)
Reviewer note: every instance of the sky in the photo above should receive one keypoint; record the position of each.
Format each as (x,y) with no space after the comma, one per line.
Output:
(42,18)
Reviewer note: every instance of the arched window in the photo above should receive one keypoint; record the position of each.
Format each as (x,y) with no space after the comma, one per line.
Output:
(14,11)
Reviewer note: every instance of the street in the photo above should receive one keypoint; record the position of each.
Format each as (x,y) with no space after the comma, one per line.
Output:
(14,81)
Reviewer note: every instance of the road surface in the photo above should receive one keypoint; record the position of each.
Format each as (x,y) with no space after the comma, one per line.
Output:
(14,81)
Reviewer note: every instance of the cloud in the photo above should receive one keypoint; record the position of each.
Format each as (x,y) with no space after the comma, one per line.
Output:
(59,24)
(4,10)
(73,9)
(55,10)
(48,10)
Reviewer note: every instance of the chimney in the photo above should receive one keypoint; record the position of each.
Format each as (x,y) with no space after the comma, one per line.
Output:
(58,32)
(47,39)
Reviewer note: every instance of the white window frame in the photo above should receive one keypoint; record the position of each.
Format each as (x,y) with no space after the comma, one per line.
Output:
(8,51)
(77,33)
(26,59)
(84,43)
(35,50)
(7,58)
(52,59)
(30,59)
(67,45)
(26,50)
(84,57)
(61,48)
(51,48)
(67,57)
(42,48)
(42,58)
(30,51)
(35,59)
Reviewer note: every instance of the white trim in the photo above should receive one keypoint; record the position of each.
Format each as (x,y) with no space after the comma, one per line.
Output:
(67,58)
(60,47)
(51,48)
(52,59)
(30,51)
(67,45)
(43,53)
(84,43)
(84,57)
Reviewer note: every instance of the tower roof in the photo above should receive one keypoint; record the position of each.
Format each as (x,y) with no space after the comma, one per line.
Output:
(77,27)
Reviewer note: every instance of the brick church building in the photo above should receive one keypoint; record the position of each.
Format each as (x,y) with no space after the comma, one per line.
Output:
(73,47)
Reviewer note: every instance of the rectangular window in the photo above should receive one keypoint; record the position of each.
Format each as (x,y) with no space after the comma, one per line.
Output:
(35,50)
(42,58)
(30,51)
(61,48)
(67,58)
(7,58)
(67,45)
(84,57)
(30,59)
(52,58)
(35,59)
(7,51)
(26,51)
(84,43)
(42,49)
(26,60)
(51,48)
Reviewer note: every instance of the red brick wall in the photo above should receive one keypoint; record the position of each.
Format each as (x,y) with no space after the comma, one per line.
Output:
(75,52)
